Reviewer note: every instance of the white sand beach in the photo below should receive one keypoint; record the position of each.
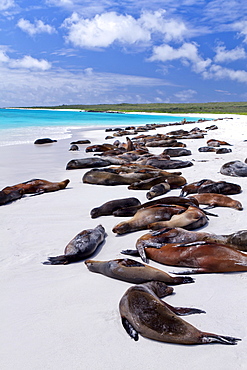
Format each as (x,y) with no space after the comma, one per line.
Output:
(66,317)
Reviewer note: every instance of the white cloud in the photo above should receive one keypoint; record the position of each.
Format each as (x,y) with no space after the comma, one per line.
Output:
(34,28)
(6,4)
(185,95)
(218,72)
(223,55)
(188,53)
(105,29)
(242,28)
(27,62)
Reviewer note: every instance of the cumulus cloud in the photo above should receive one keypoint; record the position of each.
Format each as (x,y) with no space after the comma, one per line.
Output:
(188,53)
(104,29)
(218,72)
(27,62)
(6,4)
(223,55)
(185,95)
(33,28)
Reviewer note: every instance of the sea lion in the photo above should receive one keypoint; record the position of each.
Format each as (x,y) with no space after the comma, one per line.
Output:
(145,216)
(217,200)
(146,184)
(203,256)
(143,312)
(99,148)
(216,143)
(81,142)
(75,164)
(175,152)
(37,186)
(10,197)
(234,168)
(207,149)
(193,187)
(109,207)
(156,239)
(223,150)
(158,189)
(44,141)
(74,147)
(220,187)
(192,218)
(168,164)
(134,272)
(80,247)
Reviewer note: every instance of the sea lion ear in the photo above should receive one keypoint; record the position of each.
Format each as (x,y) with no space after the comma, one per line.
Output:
(130,330)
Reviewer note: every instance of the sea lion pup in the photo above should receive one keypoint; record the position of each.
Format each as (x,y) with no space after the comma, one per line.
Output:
(143,312)
(146,216)
(158,189)
(192,218)
(80,247)
(193,187)
(37,186)
(234,168)
(134,272)
(220,187)
(203,256)
(184,202)
(10,197)
(217,200)
(74,147)
(109,207)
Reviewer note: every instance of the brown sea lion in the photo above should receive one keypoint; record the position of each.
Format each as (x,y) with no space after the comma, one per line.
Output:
(220,187)
(81,142)
(217,200)
(10,197)
(216,143)
(193,187)
(109,207)
(223,150)
(168,164)
(236,240)
(234,168)
(145,216)
(37,186)
(192,218)
(207,149)
(80,247)
(134,272)
(143,312)
(99,148)
(203,256)
(76,164)
(146,184)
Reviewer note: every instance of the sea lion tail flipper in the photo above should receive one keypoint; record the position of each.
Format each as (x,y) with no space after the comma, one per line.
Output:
(214,338)
(130,330)
(131,252)
(183,280)
(184,311)
(142,254)
(59,260)
(209,213)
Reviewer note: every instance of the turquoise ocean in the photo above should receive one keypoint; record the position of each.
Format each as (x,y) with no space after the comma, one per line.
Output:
(20,126)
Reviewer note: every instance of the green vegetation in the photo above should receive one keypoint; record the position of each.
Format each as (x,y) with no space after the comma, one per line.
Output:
(232,107)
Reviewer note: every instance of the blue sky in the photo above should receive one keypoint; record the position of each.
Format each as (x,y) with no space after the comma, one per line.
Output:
(105,51)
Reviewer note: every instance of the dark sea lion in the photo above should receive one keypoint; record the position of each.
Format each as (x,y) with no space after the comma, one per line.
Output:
(37,186)
(192,218)
(44,141)
(80,247)
(217,200)
(145,216)
(81,142)
(157,190)
(99,148)
(234,168)
(143,312)
(168,164)
(74,147)
(203,256)
(146,184)
(134,272)
(220,187)
(207,149)
(75,164)
(155,239)
(175,152)
(193,187)
(11,196)
(109,207)
(223,150)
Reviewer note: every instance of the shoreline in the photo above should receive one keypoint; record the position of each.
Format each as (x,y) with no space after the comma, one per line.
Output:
(58,317)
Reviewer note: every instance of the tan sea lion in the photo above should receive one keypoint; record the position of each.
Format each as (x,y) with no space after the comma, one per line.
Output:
(143,312)
(217,200)
(134,272)
(37,186)
(80,247)
(204,257)
(192,218)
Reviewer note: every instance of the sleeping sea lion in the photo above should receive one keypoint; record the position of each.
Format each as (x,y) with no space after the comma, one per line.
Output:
(37,186)
(44,141)
(157,190)
(109,207)
(80,247)
(10,197)
(175,152)
(134,272)
(143,312)
(193,187)
(220,187)
(75,164)
(192,218)
(234,168)
(74,147)
(217,200)
(217,143)
(203,256)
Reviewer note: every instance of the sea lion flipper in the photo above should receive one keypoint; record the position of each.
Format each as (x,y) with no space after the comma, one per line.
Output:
(142,254)
(131,252)
(214,338)
(129,329)
(184,311)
